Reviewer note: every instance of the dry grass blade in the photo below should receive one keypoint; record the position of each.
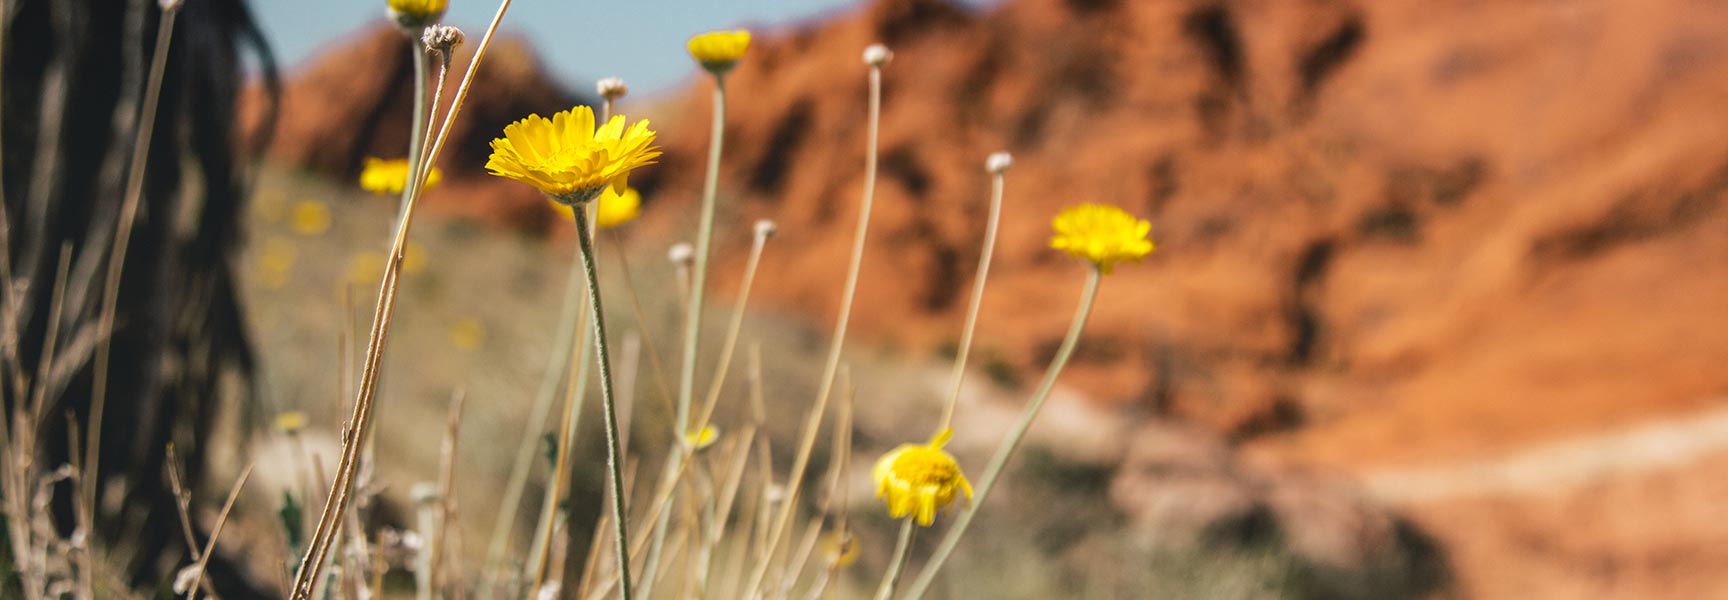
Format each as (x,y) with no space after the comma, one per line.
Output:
(197,575)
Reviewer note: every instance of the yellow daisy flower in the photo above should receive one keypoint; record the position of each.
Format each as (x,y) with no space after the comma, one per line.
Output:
(467,333)
(919,479)
(718,51)
(1102,234)
(275,262)
(416,14)
(841,548)
(615,208)
(388,177)
(570,159)
(309,217)
(704,438)
(291,421)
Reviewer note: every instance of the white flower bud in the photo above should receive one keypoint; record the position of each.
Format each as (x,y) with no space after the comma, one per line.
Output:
(765,228)
(681,253)
(877,55)
(998,163)
(611,88)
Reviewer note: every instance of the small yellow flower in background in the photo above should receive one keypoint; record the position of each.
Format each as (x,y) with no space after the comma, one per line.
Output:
(416,14)
(275,262)
(718,51)
(568,158)
(841,548)
(385,177)
(467,333)
(413,258)
(1102,234)
(702,439)
(365,268)
(309,217)
(290,421)
(615,209)
(919,479)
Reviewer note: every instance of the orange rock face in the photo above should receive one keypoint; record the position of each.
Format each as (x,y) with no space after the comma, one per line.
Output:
(1381,226)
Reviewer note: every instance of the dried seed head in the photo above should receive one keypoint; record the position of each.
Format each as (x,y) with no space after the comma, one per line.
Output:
(765,228)
(877,55)
(681,254)
(441,38)
(424,493)
(998,163)
(611,88)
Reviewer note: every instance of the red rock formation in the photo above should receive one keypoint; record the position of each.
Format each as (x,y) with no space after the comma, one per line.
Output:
(1381,225)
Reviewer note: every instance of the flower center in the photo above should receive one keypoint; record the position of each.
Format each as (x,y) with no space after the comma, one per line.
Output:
(926,466)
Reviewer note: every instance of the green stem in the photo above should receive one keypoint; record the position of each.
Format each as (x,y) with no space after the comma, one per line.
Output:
(1006,450)
(977,301)
(418,129)
(613,459)
(902,548)
(699,278)
(693,315)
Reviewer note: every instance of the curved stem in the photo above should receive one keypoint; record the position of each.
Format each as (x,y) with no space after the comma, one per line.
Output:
(699,277)
(966,335)
(814,421)
(117,257)
(902,548)
(620,514)
(419,125)
(728,347)
(1012,442)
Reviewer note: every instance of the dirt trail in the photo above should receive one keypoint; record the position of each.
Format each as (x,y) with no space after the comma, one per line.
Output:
(1561,465)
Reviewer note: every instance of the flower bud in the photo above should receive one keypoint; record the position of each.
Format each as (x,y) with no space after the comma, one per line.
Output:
(611,88)
(681,253)
(877,55)
(998,163)
(765,228)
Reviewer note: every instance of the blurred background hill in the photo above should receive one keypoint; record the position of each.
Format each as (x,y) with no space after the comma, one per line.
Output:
(1444,278)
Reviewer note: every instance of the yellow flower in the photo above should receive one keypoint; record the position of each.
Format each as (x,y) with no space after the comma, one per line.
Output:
(718,51)
(275,262)
(568,158)
(291,421)
(467,333)
(702,439)
(841,548)
(416,14)
(1102,234)
(615,208)
(309,217)
(366,268)
(919,479)
(381,176)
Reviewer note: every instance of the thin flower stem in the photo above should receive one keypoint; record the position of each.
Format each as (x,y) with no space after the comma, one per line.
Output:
(1012,442)
(699,278)
(902,547)
(122,239)
(693,310)
(731,344)
(802,460)
(996,184)
(313,563)
(575,393)
(419,125)
(620,513)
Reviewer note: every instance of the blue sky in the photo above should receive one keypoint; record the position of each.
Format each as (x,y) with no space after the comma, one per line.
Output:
(580,40)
